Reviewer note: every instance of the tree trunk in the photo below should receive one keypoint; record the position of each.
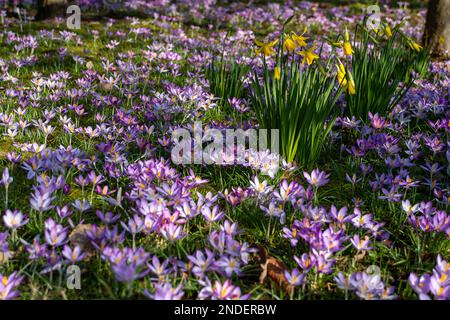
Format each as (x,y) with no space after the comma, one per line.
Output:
(437,28)
(51,8)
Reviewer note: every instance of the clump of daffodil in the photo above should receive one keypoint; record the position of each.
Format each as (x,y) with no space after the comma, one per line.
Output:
(348,50)
(266,48)
(345,79)
(277,73)
(300,39)
(414,45)
(309,56)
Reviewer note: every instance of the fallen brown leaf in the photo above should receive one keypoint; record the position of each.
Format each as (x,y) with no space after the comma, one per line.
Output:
(273,269)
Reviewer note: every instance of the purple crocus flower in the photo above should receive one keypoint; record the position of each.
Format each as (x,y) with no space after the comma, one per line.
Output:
(81,205)
(187,210)
(66,189)
(127,272)
(291,235)
(63,212)
(221,291)
(157,268)
(295,277)
(172,232)
(41,200)
(275,210)
(376,121)
(238,105)
(6,178)
(135,224)
(344,282)
(165,291)
(306,261)
(36,250)
(340,216)
(228,265)
(201,262)
(73,255)
(8,285)
(317,178)
(108,217)
(391,195)
(324,264)
(212,215)
(366,286)
(14,219)
(361,244)
(55,234)
(440,285)
(230,228)
(420,285)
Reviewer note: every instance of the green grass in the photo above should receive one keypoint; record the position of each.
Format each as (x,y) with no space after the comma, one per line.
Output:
(412,251)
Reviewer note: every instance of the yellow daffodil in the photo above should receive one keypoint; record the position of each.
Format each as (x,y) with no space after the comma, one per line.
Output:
(348,51)
(300,39)
(309,56)
(342,79)
(415,46)
(289,44)
(388,32)
(266,48)
(277,73)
